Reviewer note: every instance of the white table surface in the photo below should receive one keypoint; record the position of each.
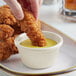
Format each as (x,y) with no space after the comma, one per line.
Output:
(48,14)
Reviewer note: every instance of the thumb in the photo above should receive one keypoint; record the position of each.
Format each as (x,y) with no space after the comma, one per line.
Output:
(15,8)
(40,2)
(35,7)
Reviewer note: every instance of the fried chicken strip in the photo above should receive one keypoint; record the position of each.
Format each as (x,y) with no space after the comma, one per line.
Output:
(31,27)
(7,46)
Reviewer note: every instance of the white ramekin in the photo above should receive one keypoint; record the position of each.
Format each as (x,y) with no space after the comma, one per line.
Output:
(39,57)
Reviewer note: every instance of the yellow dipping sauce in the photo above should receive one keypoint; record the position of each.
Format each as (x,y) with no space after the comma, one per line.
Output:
(28,43)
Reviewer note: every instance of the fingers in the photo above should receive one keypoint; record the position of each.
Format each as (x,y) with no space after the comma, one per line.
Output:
(40,2)
(25,4)
(15,8)
(35,7)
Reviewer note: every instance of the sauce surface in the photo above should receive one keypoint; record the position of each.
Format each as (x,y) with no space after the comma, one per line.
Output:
(28,43)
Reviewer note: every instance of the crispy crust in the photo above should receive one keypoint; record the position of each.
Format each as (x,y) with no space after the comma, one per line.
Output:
(6,17)
(7,48)
(5,51)
(5,31)
(10,42)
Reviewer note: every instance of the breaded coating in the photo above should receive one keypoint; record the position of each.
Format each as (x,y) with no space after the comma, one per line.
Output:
(5,51)
(10,42)
(6,17)
(20,24)
(7,48)
(5,31)
(31,26)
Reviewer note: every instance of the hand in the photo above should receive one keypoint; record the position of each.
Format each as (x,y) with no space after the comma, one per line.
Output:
(16,9)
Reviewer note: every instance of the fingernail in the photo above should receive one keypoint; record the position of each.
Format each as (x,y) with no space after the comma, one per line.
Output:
(36,16)
(19,17)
